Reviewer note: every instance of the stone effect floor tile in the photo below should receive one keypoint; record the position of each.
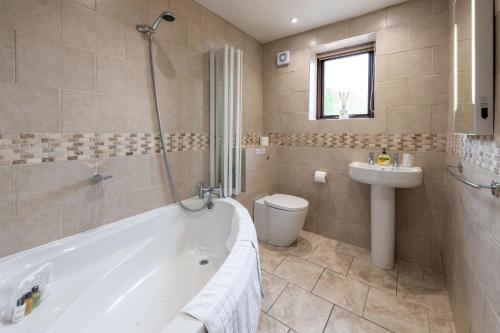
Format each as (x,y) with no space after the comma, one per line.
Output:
(420,305)
(298,271)
(342,291)
(367,273)
(331,259)
(301,248)
(301,311)
(354,251)
(272,287)
(414,270)
(343,321)
(395,313)
(441,321)
(269,259)
(268,324)
(429,291)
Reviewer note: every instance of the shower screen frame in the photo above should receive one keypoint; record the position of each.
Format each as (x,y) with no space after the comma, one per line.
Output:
(226,86)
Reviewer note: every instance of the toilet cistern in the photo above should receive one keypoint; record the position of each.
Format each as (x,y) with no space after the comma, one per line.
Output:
(384,180)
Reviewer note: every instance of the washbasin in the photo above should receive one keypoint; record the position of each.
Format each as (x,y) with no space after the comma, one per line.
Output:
(401,177)
(384,180)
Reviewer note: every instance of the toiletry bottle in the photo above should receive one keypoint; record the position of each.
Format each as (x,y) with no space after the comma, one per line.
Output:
(29,303)
(36,295)
(384,158)
(18,310)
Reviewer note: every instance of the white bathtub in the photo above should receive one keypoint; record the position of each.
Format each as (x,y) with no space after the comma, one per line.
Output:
(130,276)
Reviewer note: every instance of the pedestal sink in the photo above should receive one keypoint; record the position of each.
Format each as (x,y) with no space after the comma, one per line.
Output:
(384,180)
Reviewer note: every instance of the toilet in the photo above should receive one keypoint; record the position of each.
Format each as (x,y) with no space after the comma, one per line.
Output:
(279,218)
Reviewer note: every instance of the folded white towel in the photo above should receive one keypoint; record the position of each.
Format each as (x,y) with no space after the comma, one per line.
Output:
(230,302)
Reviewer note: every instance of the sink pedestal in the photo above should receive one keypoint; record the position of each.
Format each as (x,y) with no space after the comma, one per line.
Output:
(384,180)
(383,226)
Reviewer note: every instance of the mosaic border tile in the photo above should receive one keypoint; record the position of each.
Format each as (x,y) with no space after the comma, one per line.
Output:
(52,147)
(407,142)
(480,150)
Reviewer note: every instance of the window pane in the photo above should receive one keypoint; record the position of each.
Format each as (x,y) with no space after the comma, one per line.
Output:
(348,74)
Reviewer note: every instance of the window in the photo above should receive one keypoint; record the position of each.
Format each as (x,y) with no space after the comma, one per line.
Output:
(346,77)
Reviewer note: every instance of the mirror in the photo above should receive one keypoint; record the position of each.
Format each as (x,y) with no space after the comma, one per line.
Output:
(473,61)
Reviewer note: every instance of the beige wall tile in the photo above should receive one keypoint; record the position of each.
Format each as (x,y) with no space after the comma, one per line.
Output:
(131,12)
(188,9)
(491,321)
(439,6)
(198,39)
(439,118)
(84,112)
(428,90)
(368,23)
(141,116)
(39,18)
(408,11)
(86,3)
(136,45)
(429,31)
(178,163)
(79,218)
(51,64)
(421,62)
(414,249)
(26,109)
(27,231)
(147,199)
(82,217)
(7,196)
(392,93)
(45,186)
(333,32)
(86,29)
(7,55)
(130,174)
(409,119)
(393,39)
(111,75)
(440,60)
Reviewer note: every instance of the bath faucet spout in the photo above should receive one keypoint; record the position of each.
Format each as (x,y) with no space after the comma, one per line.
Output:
(206,193)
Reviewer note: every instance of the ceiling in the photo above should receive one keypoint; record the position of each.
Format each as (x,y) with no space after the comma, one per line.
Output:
(268,20)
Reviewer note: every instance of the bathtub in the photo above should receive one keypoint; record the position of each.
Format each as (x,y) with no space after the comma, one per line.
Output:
(133,275)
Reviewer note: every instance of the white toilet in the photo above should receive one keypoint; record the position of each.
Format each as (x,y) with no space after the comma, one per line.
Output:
(279,218)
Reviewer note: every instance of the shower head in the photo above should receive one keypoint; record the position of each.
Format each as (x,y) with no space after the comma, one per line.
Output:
(166,15)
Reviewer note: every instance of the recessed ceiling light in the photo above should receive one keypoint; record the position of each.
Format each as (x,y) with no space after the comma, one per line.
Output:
(294,20)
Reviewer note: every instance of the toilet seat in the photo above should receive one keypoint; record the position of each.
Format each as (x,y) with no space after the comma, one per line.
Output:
(286,202)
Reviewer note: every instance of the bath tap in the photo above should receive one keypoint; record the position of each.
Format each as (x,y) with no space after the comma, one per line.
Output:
(208,192)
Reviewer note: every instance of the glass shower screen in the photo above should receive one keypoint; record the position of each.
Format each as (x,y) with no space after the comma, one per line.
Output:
(226,71)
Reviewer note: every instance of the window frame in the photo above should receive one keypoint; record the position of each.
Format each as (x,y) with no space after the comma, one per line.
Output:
(344,53)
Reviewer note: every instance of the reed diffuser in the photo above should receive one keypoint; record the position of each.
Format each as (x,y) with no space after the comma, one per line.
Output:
(343,113)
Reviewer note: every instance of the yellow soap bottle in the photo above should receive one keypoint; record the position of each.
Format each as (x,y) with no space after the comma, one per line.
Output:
(384,158)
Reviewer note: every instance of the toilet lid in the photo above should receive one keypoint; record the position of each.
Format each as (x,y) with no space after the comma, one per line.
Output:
(286,202)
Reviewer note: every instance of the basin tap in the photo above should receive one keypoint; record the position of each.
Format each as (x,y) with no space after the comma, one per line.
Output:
(395,160)
(371,158)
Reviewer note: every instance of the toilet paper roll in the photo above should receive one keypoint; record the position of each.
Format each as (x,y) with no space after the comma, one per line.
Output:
(320,176)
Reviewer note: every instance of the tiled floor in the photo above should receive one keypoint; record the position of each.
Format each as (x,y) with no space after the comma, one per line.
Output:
(321,285)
